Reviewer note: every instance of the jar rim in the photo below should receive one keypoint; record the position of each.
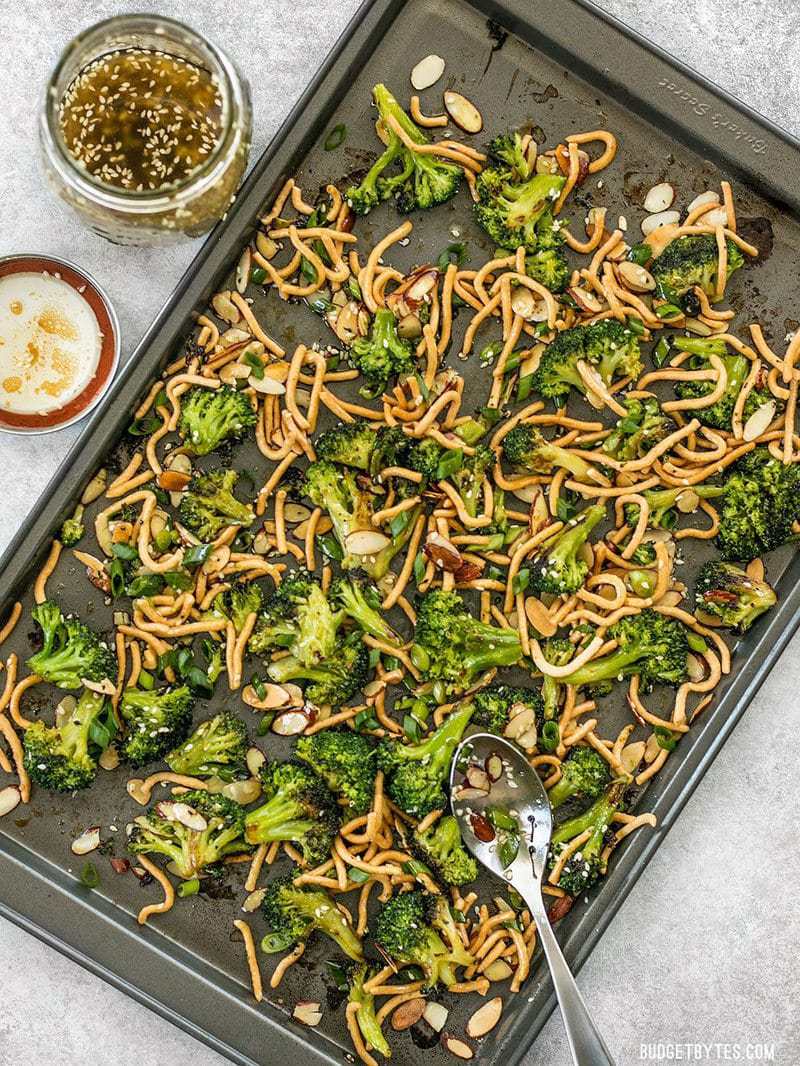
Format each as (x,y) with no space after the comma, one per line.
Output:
(172,196)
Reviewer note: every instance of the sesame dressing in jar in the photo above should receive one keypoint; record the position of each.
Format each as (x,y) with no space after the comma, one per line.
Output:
(145,130)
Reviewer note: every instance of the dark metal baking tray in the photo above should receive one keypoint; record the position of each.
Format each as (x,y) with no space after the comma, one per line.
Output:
(562,65)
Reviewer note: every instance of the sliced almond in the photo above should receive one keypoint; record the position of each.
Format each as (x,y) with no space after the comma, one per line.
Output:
(366,542)
(172,480)
(66,706)
(266,246)
(466,792)
(409,327)
(687,502)
(255,759)
(457,1047)
(758,421)
(463,112)
(261,544)
(290,723)
(499,970)
(527,304)
(631,755)
(485,1018)
(528,493)
(520,723)
(561,154)
(407,1014)
(188,816)
(427,72)
(234,372)
(243,792)
(179,461)
(225,308)
(694,325)
(109,758)
(254,900)
(267,385)
(539,617)
(755,570)
(587,301)
(695,667)
(435,1014)
(662,218)
(136,790)
(233,336)
(419,285)
(96,487)
(635,277)
(243,271)
(494,767)
(274,696)
(89,840)
(217,560)
(478,778)
(652,749)
(442,553)
(659,198)
(105,687)
(324,525)
(295,512)
(9,799)
(307,1012)
(718,216)
(707,197)
(530,364)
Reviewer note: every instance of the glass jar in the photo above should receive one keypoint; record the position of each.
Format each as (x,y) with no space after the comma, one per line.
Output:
(172,211)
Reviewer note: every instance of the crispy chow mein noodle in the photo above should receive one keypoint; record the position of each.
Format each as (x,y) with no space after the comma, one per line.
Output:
(521,460)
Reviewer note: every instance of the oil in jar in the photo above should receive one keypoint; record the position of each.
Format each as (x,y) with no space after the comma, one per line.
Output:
(141,120)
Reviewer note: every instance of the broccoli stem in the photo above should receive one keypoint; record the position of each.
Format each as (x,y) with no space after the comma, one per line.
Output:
(276,820)
(387,105)
(606,669)
(558,456)
(597,818)
(440,745)
(569,542)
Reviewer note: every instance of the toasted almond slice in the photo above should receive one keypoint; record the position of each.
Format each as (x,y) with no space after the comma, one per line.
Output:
(9,799)
(635,277)
(652,749)
(307,1012)
(659,198)
(494,767)
(179,461)
(520,723)
(407,1014)
(243,271)
(420,285)
(499,970)
(662,218)
(109,758)
(758,421)
(189,817)
(137,792)
(527,494)
(525,303)
(296,512)
(88,841)
(409,327)
(587,301)
(707,197)
(435,1014)
(279,370)
(96,487)
(466,792)
(695,667)
(463,112)
(243,792)
(442,553)
(234,372)
(105,687)
(225,308)
(255,759)
(254,900)
(267,385)
(427,72)
(485,1018)
(64,709)
(687,502)
(631,755)
(478,778)
(539,617)
(290,723)
(324,525)
(457,1047)
(718,216)
(366,542)
(217,560)
(694,325)
(261,543)
(274,696)
(755,570)
(266,246)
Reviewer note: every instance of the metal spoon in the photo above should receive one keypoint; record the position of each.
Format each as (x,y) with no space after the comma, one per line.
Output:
(519,792)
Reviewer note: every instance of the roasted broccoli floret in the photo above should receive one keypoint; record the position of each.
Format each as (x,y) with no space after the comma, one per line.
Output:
(691,260)
(346,761)
(71,652)
(651,645)
(497,705)
(718,414)
(726,591)
(762,502)
(349,508)
(456,644)
(416,774)
(583,868)
(418,929)
(333,680)
(211,416)
(584,775)
(299,808)
(217,748)
(359,600)
(644,426)
(548,265)
(292,913)
(208,505)
(558,651)
(366,1018)
(58,757)
(239,602)
(422,181)
(160,832)
(442,849)
(349,443)
(511,205)
(608,346)
(297,616)
(424,457)
(382,355)
(468,479)
(558,570)
(526,449)
(389,448)
(73,528)
(155,720)
(505,152)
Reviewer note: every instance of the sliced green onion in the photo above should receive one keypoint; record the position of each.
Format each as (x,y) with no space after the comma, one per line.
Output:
(668,311)
(335,137)
(696,642)
(177,580)
(189,888)
(419,567)
(116,573)
(641,254)
(89,876)
(258,275)
(453,253)
(146,680)
(124,551)
(643,582)
(521,580)
(636,325)
(358,877)
(450,463)
(665,738)
(551,735)
(661,352)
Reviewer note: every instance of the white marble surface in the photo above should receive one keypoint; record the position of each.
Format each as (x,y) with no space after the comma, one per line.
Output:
(704,951)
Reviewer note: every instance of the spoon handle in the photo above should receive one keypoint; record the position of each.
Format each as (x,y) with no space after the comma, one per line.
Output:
(585,1042)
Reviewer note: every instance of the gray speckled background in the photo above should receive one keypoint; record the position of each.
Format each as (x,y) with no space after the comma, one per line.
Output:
(704,951)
